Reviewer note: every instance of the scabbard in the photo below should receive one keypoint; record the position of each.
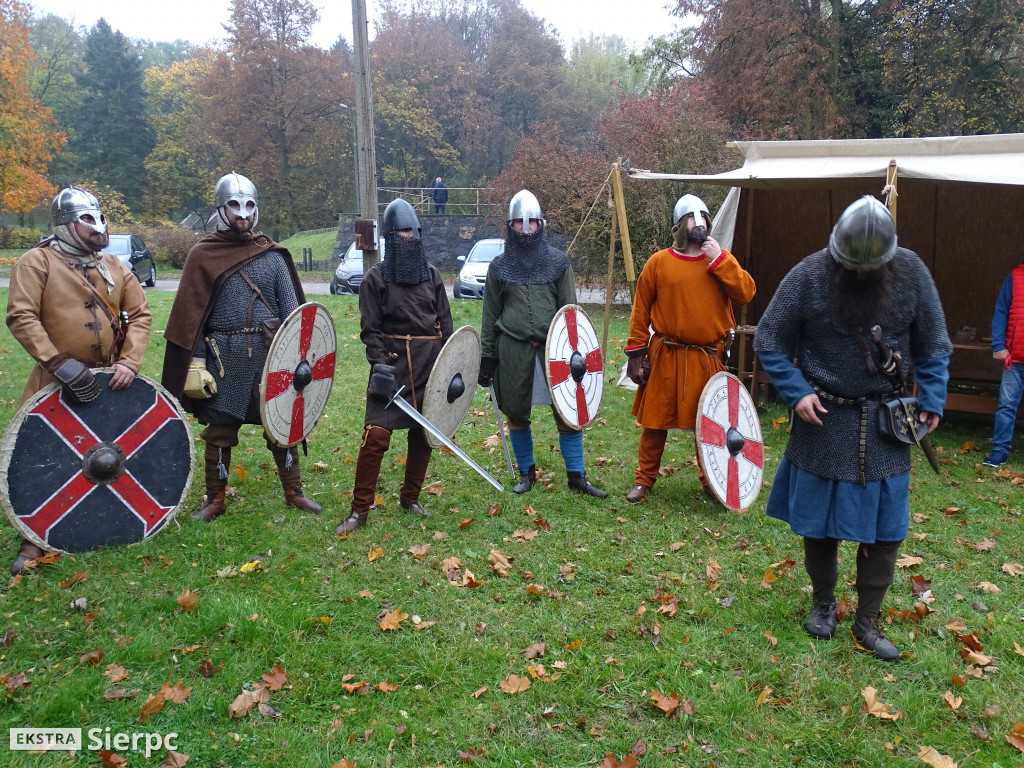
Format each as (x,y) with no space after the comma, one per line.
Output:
(929,451)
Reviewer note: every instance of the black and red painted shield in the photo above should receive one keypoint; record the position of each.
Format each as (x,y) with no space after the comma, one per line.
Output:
(75,476)
(730,450)
(298,374)
(575,366)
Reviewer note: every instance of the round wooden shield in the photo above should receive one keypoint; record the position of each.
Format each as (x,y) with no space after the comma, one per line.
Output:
(729,445)
(75,476)
(452,383)
(298,374)
(575,366)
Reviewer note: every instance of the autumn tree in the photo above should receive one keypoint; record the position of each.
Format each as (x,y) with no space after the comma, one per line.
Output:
(598,70)
(272,92)
(28,138)
(957,65)
(773,66)
(113,136)
(181,168)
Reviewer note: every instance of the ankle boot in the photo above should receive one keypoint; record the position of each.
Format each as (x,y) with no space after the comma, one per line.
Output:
(875,566)
(578,482)
(821,566)
(217,461)
(350,523)
(638,494)
(212,509)
(414,507)
(287,460)
(27,551)
(526,480)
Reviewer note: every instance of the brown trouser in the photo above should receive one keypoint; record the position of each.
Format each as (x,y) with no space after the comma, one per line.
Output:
(652,448)
(376,441)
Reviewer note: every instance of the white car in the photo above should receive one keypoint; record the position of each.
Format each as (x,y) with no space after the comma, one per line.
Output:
(470,282)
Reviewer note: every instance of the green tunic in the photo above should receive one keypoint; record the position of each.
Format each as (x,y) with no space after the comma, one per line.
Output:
(514,329)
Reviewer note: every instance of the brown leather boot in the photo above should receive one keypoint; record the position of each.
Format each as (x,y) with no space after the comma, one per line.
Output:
(212,509)
(217,461)
(414,507)
(350,523)
(287,460)
(638,494)
(27,551)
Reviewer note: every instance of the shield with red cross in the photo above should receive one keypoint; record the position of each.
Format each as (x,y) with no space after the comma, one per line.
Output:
(75,476)
(298,374)
(575,367)
(729,446)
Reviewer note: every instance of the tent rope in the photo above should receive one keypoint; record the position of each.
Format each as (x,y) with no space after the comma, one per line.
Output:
(597,197)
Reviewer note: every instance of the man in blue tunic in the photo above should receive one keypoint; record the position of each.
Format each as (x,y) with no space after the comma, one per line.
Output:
(840,479)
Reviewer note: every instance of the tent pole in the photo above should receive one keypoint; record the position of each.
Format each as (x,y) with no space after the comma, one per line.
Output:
(627,250)
(609,284)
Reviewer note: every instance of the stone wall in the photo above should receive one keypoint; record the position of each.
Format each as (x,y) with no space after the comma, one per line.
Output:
(445,238)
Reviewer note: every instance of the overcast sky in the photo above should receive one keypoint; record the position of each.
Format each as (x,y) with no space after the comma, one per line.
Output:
(199,21)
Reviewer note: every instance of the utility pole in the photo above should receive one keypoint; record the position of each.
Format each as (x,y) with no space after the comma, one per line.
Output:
(366,159)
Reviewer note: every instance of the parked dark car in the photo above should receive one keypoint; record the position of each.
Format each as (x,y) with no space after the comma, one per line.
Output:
(349,273)
(134,254)
(473,274)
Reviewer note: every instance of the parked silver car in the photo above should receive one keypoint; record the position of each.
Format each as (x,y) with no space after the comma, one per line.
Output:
(134,254)
(349,273)
(470,282)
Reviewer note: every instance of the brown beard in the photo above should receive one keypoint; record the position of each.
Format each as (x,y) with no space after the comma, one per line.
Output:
(861,299)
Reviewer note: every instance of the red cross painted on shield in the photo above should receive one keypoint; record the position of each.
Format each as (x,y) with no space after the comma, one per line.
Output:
(280,382)
(713,433)
(560,371)
(54,412)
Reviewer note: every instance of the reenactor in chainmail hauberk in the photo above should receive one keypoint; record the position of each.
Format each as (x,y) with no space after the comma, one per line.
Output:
(841,477)
(237,287)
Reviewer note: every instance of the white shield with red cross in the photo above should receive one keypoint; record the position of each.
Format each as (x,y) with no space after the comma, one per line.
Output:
(575,367)
(75,476)
(730,450)
(298,374)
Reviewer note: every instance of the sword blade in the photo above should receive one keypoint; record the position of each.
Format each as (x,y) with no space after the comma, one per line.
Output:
(418,417)
(501,431)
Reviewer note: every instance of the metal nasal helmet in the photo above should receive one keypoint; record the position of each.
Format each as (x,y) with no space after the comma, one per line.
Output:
(399,215)
(523,207)
(864,238)
(688,204)
(67,210)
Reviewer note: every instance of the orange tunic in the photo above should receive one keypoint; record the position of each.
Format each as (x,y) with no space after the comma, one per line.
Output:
(683,299)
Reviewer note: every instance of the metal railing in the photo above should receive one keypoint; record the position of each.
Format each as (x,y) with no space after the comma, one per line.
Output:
(462,201)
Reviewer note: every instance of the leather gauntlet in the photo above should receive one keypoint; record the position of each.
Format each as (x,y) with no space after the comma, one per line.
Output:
(382,382)
(638,369)
(75,377)
(488,365)
(199,382)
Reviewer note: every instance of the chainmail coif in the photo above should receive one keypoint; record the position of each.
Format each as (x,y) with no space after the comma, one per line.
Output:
(404,262)
(528,259)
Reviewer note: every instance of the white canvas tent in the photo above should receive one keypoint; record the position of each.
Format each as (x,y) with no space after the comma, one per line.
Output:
(960,206)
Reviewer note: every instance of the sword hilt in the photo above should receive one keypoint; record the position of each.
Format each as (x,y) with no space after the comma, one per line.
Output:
(397,393)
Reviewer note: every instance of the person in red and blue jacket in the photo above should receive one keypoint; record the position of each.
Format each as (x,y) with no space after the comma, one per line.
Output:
(1008,348)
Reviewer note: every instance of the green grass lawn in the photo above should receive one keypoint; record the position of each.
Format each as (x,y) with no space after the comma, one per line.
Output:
(675,596)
